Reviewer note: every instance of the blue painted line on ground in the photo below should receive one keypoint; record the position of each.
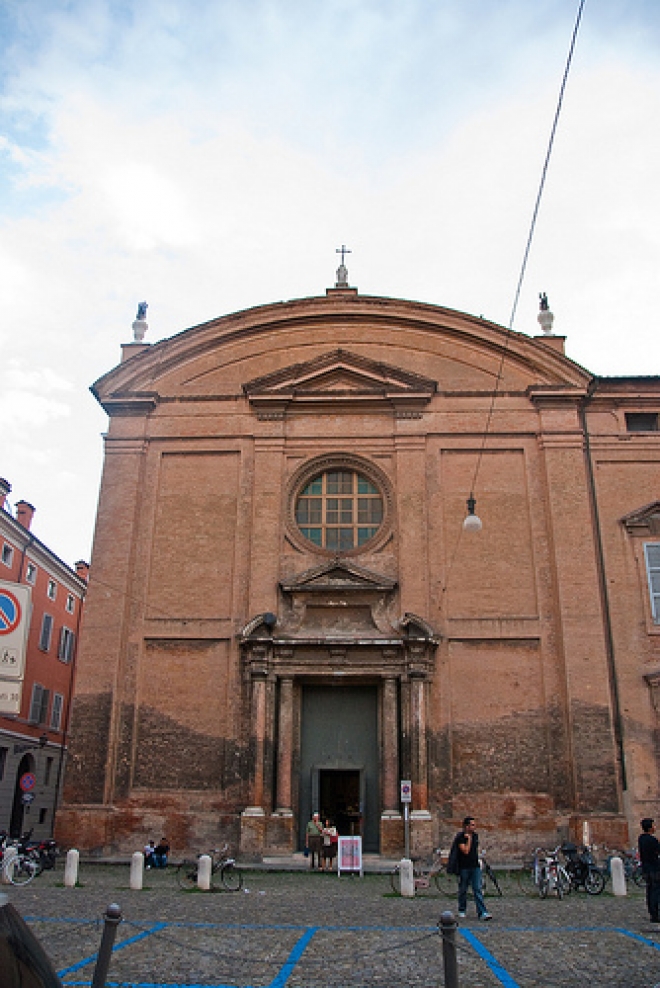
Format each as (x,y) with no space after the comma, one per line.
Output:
(119,946)
(640,938)
(500,972)
(286,970)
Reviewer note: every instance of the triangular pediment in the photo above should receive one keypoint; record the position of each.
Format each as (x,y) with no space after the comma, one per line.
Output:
(645,520)
(339,575)
(338,377)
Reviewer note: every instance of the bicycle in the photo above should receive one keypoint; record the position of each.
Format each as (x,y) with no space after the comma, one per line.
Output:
(422,877)
(544,874)
(231,877)
(632,868)
(20,867)
(443,881)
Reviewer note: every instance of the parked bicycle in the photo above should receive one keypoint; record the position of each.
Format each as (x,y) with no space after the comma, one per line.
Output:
(632,868)
(20,862)
(582,869)
(438,875)
(222,867)
(544,875)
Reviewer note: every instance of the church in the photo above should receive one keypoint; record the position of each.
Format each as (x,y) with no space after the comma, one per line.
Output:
(349,541)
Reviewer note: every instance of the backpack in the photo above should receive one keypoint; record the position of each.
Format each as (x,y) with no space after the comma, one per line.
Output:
(453,866)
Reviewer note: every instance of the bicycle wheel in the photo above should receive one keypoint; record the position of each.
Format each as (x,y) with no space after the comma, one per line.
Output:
(594,882)
(446,883)
(21,870)
(186,875)
(638,877)
(544,887)
(564,879)
(395,880)
(489,882)
(231,877)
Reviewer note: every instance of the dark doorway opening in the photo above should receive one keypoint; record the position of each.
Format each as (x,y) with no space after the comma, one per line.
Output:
(20,804)
(340,800)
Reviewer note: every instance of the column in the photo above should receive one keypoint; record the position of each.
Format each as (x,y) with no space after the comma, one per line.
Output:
(390,747)
(285,746)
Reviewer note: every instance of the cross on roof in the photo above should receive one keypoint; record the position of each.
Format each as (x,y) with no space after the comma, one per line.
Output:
(342,250)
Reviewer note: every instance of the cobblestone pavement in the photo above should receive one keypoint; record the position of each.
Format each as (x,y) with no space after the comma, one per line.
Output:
(308,930)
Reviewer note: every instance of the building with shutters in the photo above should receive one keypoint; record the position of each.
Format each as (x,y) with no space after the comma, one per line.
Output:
(286,613)
(33,740)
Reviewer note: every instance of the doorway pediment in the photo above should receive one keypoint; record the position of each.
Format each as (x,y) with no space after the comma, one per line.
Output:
(338,599)
(341,380)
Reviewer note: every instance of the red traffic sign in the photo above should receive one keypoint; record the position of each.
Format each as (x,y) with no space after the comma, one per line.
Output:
(27,781)
(10,612)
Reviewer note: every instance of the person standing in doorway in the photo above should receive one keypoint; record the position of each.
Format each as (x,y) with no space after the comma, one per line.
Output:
(649,857)
(314,840)
(467,841)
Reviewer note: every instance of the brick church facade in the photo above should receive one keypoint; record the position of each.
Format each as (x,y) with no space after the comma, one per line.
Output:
(286,613)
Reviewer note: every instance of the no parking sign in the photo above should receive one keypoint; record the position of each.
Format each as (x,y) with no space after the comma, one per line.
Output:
(14,623)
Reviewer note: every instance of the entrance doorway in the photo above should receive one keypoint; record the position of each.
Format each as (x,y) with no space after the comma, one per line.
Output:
(339,760)
(340,800)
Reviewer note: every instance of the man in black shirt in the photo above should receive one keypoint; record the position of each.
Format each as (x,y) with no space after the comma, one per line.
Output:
(649,856)
(469,869)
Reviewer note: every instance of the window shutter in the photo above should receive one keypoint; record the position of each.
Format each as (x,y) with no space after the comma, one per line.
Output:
(35,703)
(56,712)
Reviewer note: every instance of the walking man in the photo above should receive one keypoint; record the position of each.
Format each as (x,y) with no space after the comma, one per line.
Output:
(467,841)
(649,856)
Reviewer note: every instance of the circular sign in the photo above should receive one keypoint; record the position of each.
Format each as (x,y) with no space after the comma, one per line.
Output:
(10,612)
(27,781)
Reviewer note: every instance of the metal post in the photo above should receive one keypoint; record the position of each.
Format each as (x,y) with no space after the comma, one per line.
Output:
(449,959)
(112,921)
(406,826)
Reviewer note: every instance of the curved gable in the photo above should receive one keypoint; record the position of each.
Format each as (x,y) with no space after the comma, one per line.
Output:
(458,352)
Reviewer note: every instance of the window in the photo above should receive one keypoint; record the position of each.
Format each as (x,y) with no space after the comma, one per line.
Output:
(56,715)
(652,551)
(43,813)
(52,589)
(46,632)
(66,645)
(642,421)
(339,510)
(7,554)
(31,573)
(70,603)
(39,704)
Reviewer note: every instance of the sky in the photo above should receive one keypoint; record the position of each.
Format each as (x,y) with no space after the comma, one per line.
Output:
(209,157)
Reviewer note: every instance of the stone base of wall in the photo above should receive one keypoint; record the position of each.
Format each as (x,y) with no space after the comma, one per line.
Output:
(281,833)
(391,835)
(253,834)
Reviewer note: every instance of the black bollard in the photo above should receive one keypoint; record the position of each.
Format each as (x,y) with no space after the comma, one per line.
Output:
(448,927)
(112,921)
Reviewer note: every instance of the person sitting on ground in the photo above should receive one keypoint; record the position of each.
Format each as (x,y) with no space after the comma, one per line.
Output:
(149,853)
(161,851)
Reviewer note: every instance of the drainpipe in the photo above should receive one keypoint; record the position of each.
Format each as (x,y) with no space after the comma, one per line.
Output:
(602,586)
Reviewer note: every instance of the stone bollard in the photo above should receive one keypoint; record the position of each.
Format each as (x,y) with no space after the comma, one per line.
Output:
(8,857)
(204,866)
(618,876)
(71,869)
(407,878)
(137,871)
(449,959)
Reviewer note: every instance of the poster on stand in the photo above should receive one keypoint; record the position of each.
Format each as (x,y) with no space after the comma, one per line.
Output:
(349,855)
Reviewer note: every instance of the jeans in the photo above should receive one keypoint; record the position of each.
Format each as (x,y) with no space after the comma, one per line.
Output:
(471,876)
